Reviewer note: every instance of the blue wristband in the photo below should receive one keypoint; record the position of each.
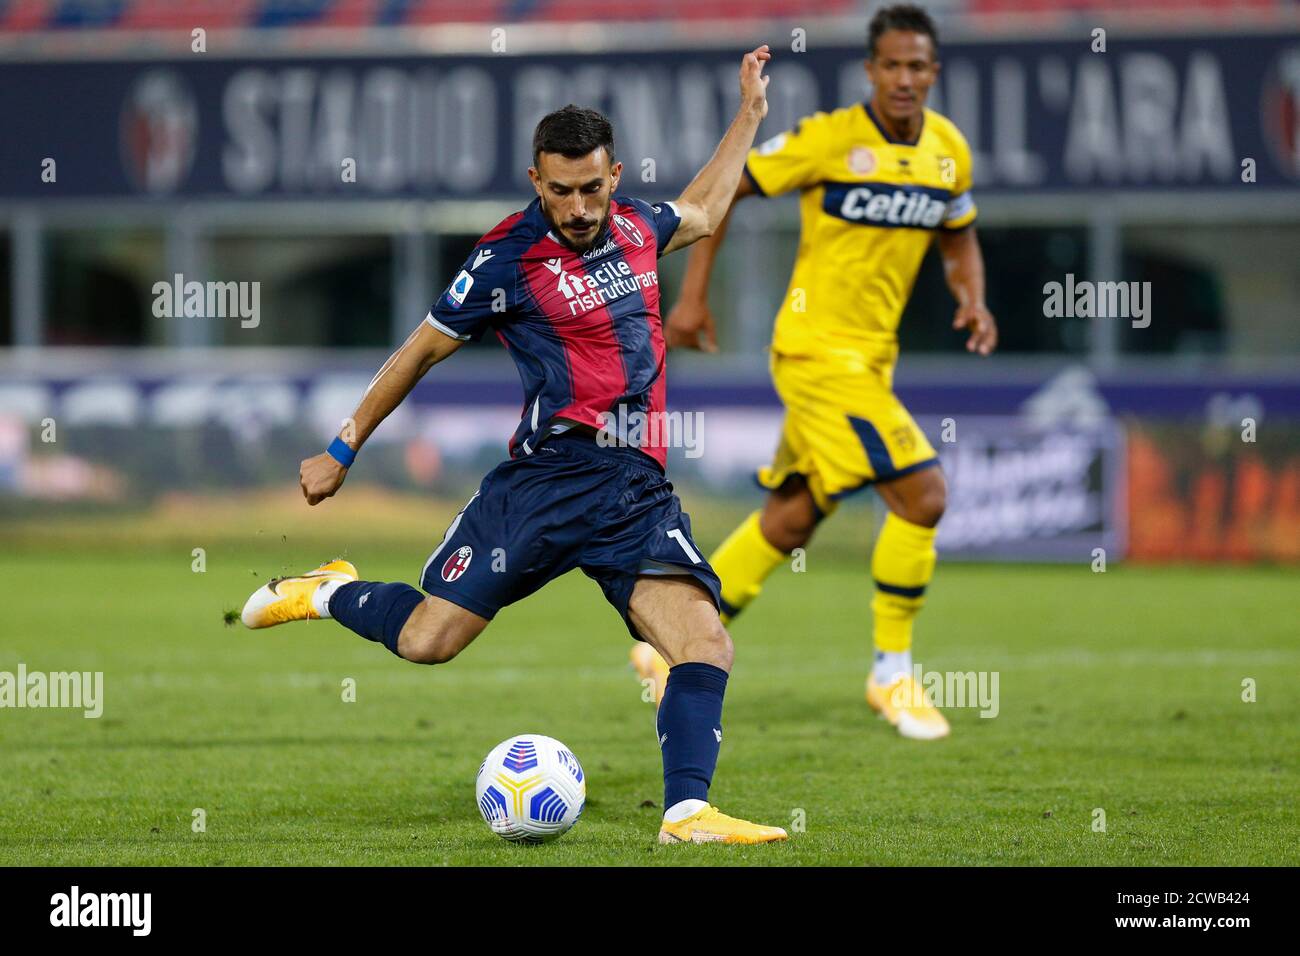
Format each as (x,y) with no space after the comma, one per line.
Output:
(340,452)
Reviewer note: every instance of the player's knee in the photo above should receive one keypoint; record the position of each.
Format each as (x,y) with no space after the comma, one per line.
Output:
(930,505)
(427,649)
(716,647)
(436,644)
(790,531)
(789,522)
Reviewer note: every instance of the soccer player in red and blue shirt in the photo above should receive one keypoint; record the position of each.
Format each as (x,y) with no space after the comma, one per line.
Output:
(571,288)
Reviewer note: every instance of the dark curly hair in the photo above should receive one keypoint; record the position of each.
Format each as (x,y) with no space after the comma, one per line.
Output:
(573,131)
(902,16)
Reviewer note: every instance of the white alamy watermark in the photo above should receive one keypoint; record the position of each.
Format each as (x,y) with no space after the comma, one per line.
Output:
(75,908)
(1098,300)
(950,689)
(75,690)
(640,429)
(208,300)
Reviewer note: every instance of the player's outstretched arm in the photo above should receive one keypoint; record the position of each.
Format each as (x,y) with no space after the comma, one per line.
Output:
(704,203)
(963,268)
(690,323)
(321,476)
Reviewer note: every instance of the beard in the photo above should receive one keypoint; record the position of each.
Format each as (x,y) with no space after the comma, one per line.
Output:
(596,233)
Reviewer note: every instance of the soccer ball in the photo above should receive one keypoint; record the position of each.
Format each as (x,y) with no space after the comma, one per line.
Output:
(530,789)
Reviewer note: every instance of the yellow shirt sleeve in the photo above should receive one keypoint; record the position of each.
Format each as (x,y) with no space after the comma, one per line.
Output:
(961,211)
(790,160)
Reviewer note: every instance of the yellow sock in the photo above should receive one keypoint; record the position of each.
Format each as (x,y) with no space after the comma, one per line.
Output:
(743,562)
(902,565)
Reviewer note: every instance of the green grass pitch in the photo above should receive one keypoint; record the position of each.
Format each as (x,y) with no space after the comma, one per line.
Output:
(1120,691)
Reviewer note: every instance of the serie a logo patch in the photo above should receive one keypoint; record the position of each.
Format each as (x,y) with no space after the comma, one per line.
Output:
(458,289)
(457,564)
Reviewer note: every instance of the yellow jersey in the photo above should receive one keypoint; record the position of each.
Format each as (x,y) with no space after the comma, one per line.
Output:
(869,206)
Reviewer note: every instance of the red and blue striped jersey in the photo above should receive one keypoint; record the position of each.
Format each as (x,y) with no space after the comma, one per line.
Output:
(583,329)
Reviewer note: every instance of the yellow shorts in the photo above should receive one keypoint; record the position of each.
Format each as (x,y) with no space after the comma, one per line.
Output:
(844,427)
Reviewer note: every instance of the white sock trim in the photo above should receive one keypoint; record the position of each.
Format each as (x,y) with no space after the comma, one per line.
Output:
(890,664)
(320,599)
(682,809)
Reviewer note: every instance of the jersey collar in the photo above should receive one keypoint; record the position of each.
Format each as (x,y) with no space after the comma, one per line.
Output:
(880,127)
(541,225)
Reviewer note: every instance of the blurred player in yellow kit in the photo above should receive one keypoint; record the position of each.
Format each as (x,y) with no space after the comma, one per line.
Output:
(878,181)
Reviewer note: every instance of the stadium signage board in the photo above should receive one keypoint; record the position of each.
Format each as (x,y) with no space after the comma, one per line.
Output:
(1157,114)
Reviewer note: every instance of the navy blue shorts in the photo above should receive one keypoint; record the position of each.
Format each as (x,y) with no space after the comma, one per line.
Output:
(571,504)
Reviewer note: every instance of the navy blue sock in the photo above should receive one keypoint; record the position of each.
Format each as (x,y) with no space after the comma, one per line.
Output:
(690,730)
(375,611)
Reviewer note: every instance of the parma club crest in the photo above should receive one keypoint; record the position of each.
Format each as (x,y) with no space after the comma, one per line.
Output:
(862,160)
(457,564)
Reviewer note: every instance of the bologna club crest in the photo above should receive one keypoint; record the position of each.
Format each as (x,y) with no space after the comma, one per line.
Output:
(457,564)
(159,130)
(1281,111)
(629,230)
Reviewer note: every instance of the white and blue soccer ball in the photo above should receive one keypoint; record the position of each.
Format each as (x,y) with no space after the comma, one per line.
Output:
(531,789)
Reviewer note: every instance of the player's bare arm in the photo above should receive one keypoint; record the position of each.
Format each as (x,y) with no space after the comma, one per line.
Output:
(322,475)
(704,203)
(963,268)
(690,323)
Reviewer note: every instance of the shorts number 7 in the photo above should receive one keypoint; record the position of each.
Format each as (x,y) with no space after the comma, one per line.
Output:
(680,538)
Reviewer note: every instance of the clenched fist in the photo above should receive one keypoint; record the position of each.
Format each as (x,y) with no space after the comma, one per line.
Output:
(690,326)
(320,477)
(983,330)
